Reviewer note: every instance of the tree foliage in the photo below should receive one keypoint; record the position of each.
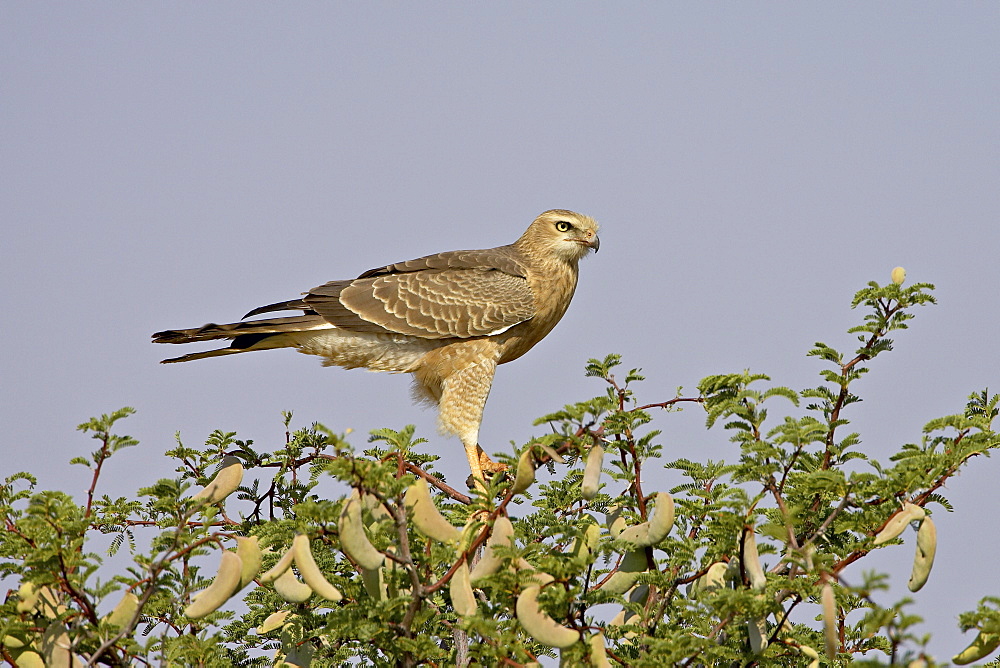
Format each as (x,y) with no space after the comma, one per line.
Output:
(750,561)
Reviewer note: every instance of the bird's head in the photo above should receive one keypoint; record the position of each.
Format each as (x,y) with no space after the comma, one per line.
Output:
(564,234)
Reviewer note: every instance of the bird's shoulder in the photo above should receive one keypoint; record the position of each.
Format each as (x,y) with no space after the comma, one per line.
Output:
(506,259)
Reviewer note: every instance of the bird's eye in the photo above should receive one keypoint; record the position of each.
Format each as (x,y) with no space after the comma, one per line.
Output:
(563,226)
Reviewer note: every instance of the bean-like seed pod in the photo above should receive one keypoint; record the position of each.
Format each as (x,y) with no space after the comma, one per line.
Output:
(30,659)
(539,625)
(310,571)
(541,578)
(810,654)
(29,593)
(983,645)
(374,582)
(248,550)
(592,472)
(123,613)
(757,631)
(712,580)
(615,521)
(463,599)
(299,656)
(525,476)
(489,563)
(662,519)
(274,572)
(632,566)
(290,589)
(224,483)
(598,653)
(223,586)
(353,539)
(637,536)
(898,523)
(427,518)
(751,561)
(654,530)
(274,621)
(923,559)
(829,603)
(586,546)
(55,646)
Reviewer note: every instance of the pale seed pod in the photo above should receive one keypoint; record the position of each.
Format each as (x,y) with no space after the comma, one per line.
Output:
(248,550)
(662,519)
(654,530)
(123,613)
(923,559)
(291,589)
(300,656)
(525,476)
(757,630)
(469,533)
(374,582)
(489,563)
(898,275)
(639,594)
(714,579)
(829,603)
(373,508)
(12,642)
(592,472)
(274,572)
(223,586)
(310,571)
(984,645)
(30,659)
(552,453)
(28,593)
(898,523)
(50,603)
(810,654)
(427,518)
(463,599)
(538,576)
(637,536)
(56,647)
(539,625)
(585,546)
(353,539)
(615,521)
(273,621)
(751,561)
(598,654)
(224,483)
(632,566)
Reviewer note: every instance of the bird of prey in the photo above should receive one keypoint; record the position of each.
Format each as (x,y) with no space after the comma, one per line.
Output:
(449,319)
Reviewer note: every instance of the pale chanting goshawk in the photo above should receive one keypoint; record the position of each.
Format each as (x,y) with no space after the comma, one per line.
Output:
(449,319)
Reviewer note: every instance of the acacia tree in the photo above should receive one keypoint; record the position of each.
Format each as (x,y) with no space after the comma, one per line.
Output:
(586,562)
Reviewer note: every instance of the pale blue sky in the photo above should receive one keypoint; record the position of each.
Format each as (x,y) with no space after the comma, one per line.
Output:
(752,165)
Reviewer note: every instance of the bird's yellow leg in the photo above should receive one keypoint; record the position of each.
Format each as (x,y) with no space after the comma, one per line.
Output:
(472,451)
(487,465)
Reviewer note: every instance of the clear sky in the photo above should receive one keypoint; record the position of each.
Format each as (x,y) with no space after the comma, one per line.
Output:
(752,165)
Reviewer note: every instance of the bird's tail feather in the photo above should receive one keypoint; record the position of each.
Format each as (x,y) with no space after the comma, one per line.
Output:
(212,331)
(246,336)
(203,355)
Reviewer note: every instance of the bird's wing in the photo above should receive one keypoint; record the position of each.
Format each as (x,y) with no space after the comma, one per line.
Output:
(460,294)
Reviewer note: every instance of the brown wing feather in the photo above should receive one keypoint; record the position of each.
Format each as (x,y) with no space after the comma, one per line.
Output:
(459,294)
